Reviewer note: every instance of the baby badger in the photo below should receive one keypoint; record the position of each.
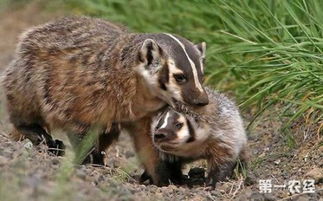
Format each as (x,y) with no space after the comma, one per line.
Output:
(214,132)
(77,73)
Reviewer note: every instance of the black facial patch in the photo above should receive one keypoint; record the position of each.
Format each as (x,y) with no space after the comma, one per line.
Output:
(164,77)
(181,60)
(176,52)
(182,51)
(191,132)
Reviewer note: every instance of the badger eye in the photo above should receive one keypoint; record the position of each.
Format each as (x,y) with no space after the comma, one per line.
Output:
(179,125)
(180,78)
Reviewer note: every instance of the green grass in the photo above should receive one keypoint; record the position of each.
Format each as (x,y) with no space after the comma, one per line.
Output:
(265,51)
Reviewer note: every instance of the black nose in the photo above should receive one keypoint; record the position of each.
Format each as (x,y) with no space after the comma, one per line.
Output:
(201,99)
(160,136)
(201,102)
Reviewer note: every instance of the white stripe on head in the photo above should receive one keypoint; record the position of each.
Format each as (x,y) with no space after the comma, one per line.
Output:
(196,80)
(165,121)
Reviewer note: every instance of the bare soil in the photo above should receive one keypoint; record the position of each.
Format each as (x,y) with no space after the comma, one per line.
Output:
(29,173)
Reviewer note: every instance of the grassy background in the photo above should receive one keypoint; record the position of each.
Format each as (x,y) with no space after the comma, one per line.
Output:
(266,52)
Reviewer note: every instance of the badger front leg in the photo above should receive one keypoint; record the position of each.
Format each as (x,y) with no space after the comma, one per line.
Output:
(219,171)
(166,169)
(147,153)
(37,134)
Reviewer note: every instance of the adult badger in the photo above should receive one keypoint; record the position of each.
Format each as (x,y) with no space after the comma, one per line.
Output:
(77,72)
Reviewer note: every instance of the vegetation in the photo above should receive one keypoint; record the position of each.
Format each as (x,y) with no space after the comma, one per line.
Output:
(266,52)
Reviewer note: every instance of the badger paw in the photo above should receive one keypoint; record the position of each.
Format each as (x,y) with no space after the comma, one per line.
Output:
(56,147)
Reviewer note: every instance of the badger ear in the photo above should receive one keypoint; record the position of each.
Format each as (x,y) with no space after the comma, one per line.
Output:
(149,53)
(201,47)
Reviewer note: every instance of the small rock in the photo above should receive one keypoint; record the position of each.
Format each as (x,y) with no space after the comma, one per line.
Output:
(277,162)
(28,145)
(321,149)
(146,182)
(316,174)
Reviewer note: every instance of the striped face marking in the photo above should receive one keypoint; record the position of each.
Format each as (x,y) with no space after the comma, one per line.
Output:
(192,64)
(174,126)
(183,135)
(165,121)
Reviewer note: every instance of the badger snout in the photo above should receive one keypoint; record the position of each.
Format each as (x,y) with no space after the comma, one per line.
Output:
(201,100)
(163,135)
(160,136)
(195,98)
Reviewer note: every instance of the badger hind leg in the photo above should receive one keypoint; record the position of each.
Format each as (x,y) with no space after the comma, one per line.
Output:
(97,150)
(220,172)
(37,135)
(105,139)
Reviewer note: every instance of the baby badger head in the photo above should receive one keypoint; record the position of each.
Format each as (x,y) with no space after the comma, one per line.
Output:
(173,68)
(178,134)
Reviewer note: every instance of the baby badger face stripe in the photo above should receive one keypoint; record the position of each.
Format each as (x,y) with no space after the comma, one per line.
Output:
(178,134)
(173,68)
(171,129)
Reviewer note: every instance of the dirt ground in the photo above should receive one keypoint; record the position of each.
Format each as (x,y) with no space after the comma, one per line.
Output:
(28,173)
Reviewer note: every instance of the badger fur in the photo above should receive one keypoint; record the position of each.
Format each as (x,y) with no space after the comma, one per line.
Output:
(214,132)
(77,73)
